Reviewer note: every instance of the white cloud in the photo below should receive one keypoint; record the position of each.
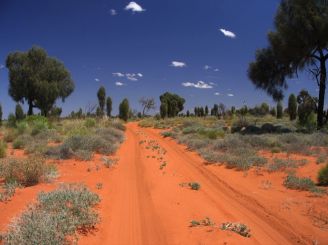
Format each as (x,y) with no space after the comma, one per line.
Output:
(2,66)
(97,79)
(119,84)
(230,95)
(112,12)
(207,67)
(118,74)
(134,7)
(200,85)
(217,93)
(178,64)
(129,76)
(216,69)
(227,33)
(211,83)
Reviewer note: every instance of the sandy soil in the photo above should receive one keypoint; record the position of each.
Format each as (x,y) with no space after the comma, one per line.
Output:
(145,201)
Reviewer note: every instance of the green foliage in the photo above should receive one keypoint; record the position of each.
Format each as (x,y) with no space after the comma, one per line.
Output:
(11,121)
(3,149)
(19,113)
(90,123)
(101,94)
(292,107)
(174,104)
(323,176)
(56,217)
(303,184)
(307,106)
(124,109)
(163,110)
(109,106)
(279,110)
(38,79)
(290,52)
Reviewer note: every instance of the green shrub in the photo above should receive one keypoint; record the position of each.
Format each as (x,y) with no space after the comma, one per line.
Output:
(11,121)
(18,144)
(90,123)
(10,135)
(295,183)
(56,217)
(39,126)
(3,149)
(22,126)
(323,176)
(194,186)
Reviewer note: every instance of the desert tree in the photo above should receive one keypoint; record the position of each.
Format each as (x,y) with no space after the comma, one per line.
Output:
(37,79)
(206,111)
(101,94)
(188,113)
(163,110)
(147,104)
(280,110)
(124,110)
(109,106)
(307,105)
(173,102)
(299,43)
(292,107)
(222,110)
(215,110)
(19,113)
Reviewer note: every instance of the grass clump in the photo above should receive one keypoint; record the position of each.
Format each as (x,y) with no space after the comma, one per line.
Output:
(26,172)
(283,164)
(56,217)
(323,176)
(9,191)
(238,228)
(303,184)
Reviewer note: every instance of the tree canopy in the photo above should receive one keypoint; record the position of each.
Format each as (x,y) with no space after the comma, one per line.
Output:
(101,94)
(37,79)
(300,42)
(173,103)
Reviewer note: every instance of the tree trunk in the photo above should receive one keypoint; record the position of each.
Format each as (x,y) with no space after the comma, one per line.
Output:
(30,108)
(322,90)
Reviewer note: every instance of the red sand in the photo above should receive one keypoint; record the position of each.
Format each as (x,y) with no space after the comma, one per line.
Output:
(142,204)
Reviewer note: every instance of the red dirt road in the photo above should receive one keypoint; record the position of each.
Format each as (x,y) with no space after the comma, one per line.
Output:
(147,205)
(145,201)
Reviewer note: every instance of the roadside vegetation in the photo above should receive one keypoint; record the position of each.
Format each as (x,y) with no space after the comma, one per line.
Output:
(56,218)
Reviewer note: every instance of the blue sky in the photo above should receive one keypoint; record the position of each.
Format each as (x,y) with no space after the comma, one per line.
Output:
(148,47)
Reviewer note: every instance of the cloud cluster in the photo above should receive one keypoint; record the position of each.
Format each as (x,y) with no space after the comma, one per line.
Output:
(129,76)
(2,66)
(97,79)
(229,95)
(134,7)
(178,64)
(227,33)
(199,84)
(210,68)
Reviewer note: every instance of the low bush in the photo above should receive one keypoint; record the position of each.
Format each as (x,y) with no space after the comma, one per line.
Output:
(90,123)
(238,228)
(56,216)
(26,172)
(323,176)
(303,184)
(283,164)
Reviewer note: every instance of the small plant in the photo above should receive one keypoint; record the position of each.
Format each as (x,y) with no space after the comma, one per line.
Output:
(99,186)
(303,184)
(238,228)
(163,165)
(18,144)
(9,191)
(90,123)
(109,162)
(323,176)
(194,186)
(194,223)
(321,159)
